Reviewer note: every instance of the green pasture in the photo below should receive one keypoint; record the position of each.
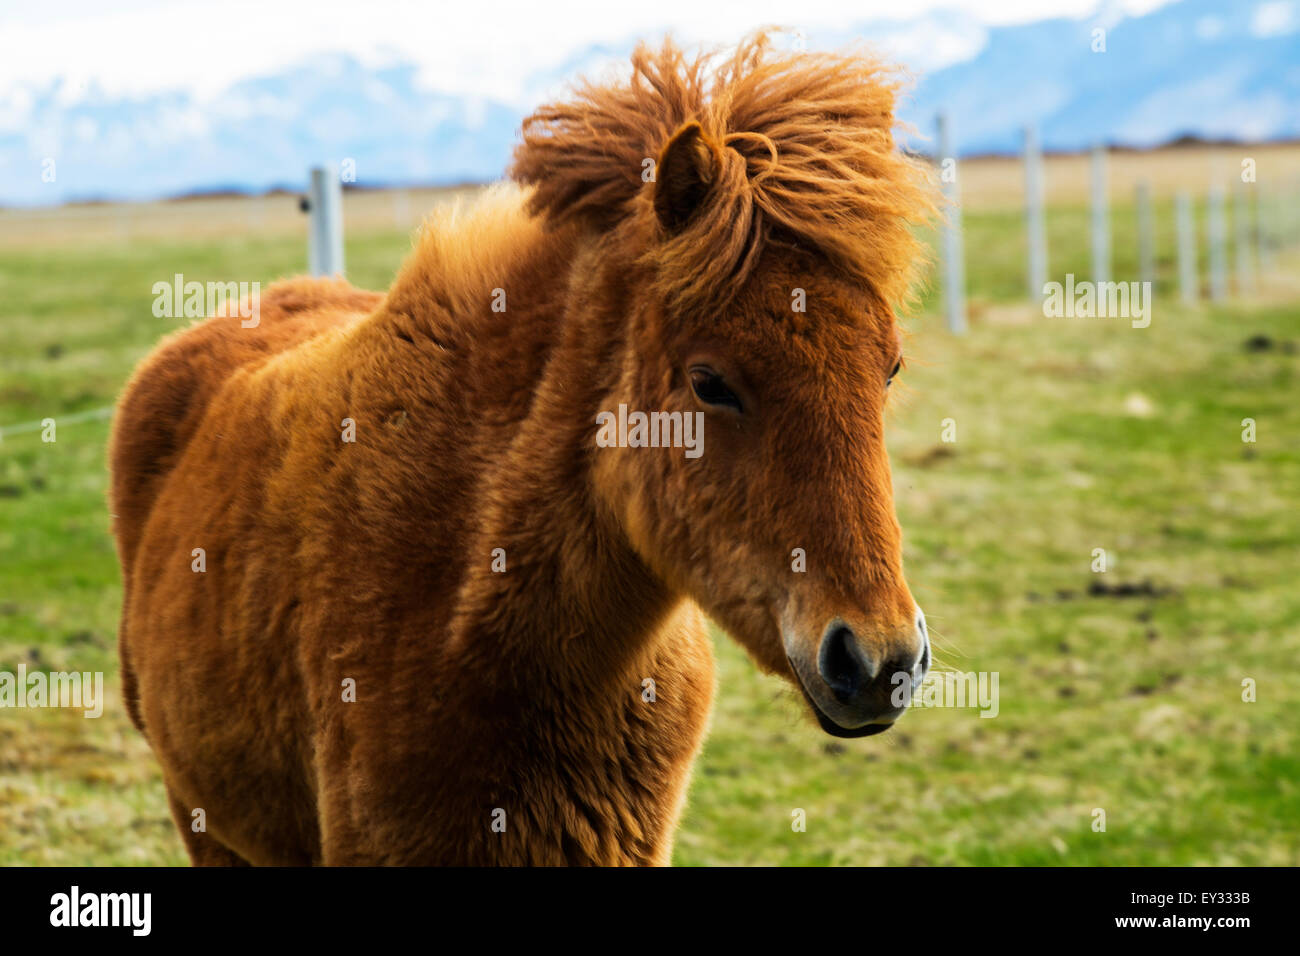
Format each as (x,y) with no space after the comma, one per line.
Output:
(1120,691)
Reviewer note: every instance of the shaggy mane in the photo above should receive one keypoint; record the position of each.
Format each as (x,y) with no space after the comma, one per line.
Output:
(808,156)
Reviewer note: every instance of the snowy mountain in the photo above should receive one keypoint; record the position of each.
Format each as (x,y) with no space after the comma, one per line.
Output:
(1210,68)
(1200,67)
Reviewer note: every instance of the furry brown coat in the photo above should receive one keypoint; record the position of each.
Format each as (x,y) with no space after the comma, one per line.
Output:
(471,635)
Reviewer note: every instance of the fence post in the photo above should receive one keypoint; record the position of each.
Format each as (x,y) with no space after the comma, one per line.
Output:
(1146,237)
(325,239)
(1241,220)
(1187,281)
(1263,238)
(1218,235)
(1100,217)
(256,213)
(1293,220)
(1288,215)
(1291,215)
(401,208)
(1035,221)
(954,265)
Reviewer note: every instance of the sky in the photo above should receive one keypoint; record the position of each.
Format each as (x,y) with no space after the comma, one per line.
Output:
(144,98)
(483,47)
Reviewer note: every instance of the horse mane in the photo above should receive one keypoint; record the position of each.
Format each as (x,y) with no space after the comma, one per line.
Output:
(807,152)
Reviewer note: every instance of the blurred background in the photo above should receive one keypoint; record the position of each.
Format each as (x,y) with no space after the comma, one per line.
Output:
(1141,141)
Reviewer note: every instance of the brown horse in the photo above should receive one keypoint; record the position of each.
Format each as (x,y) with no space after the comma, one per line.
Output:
(387,597)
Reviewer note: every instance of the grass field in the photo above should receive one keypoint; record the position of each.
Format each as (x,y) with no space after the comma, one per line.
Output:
(1120,691)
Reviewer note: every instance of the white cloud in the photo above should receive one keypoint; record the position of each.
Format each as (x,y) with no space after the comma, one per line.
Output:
(488,47)
(1275,18)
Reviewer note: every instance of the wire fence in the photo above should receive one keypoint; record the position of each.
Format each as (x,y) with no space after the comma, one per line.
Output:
(1262,219)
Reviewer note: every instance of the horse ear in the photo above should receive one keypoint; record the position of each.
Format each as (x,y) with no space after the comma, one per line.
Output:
(688,167)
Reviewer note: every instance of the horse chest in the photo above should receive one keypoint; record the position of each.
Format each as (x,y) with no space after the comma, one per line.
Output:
(601,781)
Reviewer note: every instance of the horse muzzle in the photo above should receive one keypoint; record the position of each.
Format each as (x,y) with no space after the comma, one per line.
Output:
(858,687)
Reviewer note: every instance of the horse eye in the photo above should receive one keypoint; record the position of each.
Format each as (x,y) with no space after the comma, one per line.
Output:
(898,367)
(710,389)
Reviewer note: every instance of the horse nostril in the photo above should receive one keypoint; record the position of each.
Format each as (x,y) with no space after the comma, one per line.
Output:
(841,665)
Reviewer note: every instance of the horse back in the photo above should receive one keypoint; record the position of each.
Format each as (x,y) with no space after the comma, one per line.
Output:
(166,400)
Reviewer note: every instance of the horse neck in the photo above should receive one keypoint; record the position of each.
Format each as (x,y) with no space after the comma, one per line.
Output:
(575,607)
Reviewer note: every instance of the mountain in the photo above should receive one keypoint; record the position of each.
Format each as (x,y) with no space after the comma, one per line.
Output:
(1214,69)
(1200,67)
(259,133)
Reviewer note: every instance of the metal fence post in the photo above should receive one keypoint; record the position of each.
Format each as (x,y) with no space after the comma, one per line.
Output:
(1263,233)
(1242,240)
(325,240)
(1100,217)
(1218,236)
(1187,281)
